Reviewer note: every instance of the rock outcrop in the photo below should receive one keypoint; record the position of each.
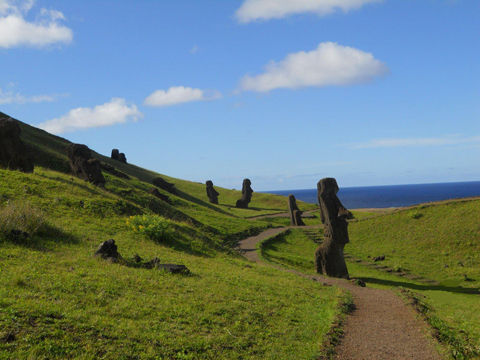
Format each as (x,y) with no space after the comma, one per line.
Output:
(294,211)
(84,166)
(211,192)
(329,259)
(13,152)
(246,195)
(164,185)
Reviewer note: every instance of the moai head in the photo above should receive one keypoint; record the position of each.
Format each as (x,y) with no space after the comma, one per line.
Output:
(246,189)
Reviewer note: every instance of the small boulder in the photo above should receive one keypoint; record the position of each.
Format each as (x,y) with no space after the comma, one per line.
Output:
(173,268)
(379,258)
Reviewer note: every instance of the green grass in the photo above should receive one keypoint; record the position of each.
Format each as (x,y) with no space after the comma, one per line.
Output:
(58,301)
(451,305)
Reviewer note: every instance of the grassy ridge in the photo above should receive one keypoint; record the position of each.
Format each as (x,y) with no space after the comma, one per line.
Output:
(421,245)
(57,301)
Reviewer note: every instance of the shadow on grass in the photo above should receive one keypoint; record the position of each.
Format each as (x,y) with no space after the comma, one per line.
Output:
(408,285)
(72,183)
(44,240)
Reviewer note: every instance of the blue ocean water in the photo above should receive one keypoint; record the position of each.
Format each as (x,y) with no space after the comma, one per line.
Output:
(392,195)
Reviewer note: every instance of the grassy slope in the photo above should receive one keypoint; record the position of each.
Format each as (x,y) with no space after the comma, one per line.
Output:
(444,234)
(58,301)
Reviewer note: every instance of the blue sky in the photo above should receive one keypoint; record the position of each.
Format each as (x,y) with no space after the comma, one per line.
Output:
(283,92)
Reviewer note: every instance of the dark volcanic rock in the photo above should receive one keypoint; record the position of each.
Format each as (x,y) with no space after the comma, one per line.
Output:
(294,211)
(164,185)
(379,258)
(158,194)
(83,165)
(246,194)
(173,268)
(329,258)
(13,152)
(211,192)
(108,251)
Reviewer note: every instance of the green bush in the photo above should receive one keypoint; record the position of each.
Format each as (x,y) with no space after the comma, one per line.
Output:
(154,227)
(20,219)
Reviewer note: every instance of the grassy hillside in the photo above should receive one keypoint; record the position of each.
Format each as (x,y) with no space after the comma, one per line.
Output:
(58,301)
(431,251)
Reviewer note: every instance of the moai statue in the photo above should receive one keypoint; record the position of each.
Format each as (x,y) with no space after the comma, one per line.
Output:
(115,154)
(329,258)
(295,213)
(211,192)
(122,158)
(246,194)
(84,166)
(13,152)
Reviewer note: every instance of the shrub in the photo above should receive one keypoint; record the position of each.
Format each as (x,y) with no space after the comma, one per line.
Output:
(155,227)
(20,220)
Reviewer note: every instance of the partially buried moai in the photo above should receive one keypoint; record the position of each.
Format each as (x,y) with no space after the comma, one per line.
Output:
(211,192)
(83,165)
(329,258)
(246,194)
(294,211)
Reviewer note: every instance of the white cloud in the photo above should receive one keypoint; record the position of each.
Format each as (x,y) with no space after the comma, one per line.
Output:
(412,142)
(179,94)
(10,97)
(252,10)
(114,112)
(328,64)
(16,30)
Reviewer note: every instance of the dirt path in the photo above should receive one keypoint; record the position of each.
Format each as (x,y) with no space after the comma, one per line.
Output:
(380,327)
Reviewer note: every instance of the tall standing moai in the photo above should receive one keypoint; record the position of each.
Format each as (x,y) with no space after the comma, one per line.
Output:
(246,194)
(294,211)
(329,259)
(211,192)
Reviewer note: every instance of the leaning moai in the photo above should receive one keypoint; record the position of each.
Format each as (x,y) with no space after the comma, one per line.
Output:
(294,211)
(13,152)
(246,194)
(329,258)
(84,166)
(211,192)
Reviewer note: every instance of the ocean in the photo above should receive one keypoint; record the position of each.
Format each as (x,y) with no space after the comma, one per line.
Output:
(392,195)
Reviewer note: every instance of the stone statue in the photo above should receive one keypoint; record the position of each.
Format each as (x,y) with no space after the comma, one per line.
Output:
(295,213)
(329,258)
(13,152)
(211,192)
(84,166)
(117,155)
(246,194)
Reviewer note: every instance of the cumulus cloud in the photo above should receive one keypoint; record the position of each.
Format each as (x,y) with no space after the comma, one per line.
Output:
(252,10)
(116,111)
(16,30)
(10,97)
(179,94)
(328,64)
(413,142)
